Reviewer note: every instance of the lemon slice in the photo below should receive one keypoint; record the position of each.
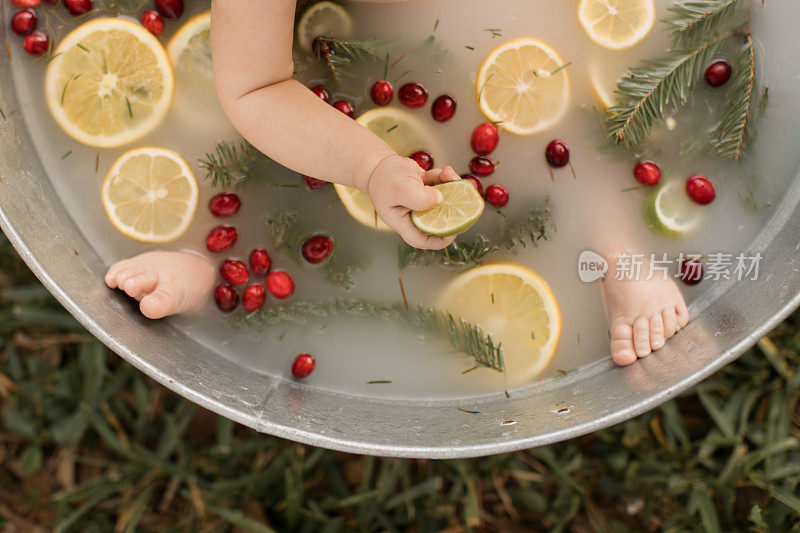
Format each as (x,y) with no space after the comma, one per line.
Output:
(670,212)
(523,86)
(323,18)
(150,194)
(109,83)
(617,24)
(461,207)
(190,48)
(604,85)
(405,134)
(513,305)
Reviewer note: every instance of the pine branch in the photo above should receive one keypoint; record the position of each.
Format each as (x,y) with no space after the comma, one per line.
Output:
(462,335)
(729,137)
(647,90)
(531,229)
(694,22)
(230,164)
(340,55)
(283,228)
(124,7)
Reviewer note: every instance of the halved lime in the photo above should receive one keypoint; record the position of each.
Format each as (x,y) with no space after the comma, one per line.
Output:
(323,18)
(460,208)
(670,212)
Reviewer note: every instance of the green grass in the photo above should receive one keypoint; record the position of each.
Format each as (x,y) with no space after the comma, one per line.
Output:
(88,443)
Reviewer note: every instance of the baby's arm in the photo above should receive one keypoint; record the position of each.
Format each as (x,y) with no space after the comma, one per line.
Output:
(252,48)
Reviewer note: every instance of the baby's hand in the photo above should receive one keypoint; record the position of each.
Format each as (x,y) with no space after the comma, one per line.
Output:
(398,186)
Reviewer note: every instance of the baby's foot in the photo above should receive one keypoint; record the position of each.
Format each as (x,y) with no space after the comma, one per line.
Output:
(165,283)
(642,315)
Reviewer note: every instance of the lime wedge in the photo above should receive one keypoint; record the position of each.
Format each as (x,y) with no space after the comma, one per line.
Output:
(323,18)
(670,212)
(461,207)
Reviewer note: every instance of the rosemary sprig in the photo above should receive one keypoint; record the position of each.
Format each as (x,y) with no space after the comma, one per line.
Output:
(229,165)
(339,56)
(462,335)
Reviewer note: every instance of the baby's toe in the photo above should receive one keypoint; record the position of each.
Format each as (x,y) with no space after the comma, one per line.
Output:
(683,314)
(142,283)
(622,351)
(114,271)
(161,302)
(641,336)
(656,332)
(670,320)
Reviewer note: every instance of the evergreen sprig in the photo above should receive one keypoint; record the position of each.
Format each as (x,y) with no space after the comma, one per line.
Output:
(693,22)
(339,56)
(462,335)
(124,7)
(529,230)
(230,164)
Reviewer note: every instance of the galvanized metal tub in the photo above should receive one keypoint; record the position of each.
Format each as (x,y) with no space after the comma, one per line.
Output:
(726,322)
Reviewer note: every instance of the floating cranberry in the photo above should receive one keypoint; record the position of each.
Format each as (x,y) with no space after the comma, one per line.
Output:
(322,93)
(317,249)
(345,107)
(303,365)
(25,3)
(476,182)
(221,238)
(496,195)
(443,108)
(382,92)
(153,22)
(226,297)
(225,204)
(413,95)
(700,189)
(484,139)
(260,262)
(647,173)
(78,7)
(36,43)
(690,271)
(234,272)
(557,154)
(254,297)
(170,9)
(280,284)
(313,183)
(23,22)
(481,166)
(423,158)
(718,73)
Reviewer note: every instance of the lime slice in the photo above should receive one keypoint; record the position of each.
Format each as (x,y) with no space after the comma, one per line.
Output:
(323,18)
(670,212)
(459,210)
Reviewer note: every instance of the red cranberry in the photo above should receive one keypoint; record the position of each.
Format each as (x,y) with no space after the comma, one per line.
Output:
(170,9)
(280,284)
(23,22)
(413,95)
(484,139)
(423,158)
(496,195)
(36,43)
(690,271)
(382,92)
(481,166)
(225,204)
(317,249)
(303,365)
(78,7)
(443,108)
(221,238)
(226,297)
(254,297)
(153,22)
(476,182)
(260,262)
(234,272)
(557,154)
(647,173)
(322,93)
(313,183)
(25,3)
(718,73)
(700,189)
(345,107)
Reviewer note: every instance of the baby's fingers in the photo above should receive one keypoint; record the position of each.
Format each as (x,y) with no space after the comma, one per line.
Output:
(417,197)
(414,237)
(436,176)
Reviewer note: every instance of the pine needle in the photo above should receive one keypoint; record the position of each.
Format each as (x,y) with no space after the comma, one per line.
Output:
(462,335)
(124,7)
(229,165)
(339,56)
(695,21)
